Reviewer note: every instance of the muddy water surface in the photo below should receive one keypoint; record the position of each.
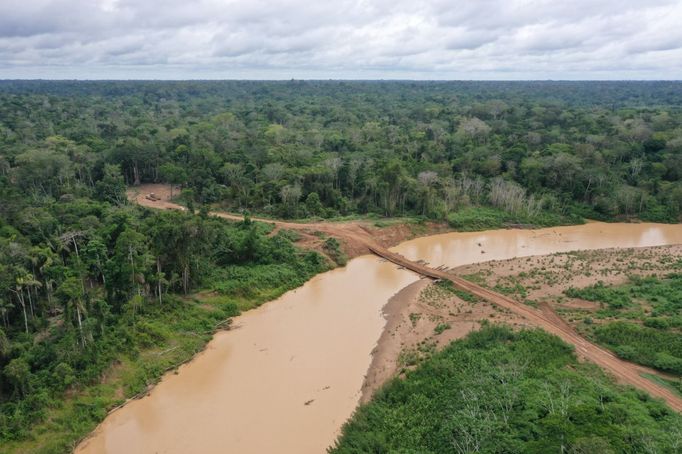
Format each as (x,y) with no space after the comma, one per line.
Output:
(290,372)
(456,249)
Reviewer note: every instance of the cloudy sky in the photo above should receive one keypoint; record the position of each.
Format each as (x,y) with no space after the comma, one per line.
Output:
(341,39)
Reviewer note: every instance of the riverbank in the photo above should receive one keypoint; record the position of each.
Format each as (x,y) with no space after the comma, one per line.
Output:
(296,357)
(293,363)
(424,317)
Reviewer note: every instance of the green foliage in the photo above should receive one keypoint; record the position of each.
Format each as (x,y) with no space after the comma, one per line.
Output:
(658,343)
(87,280)
(614,298)
(112,187)
(556,152)
(647,346)
(498,391)
(99,291)
(313,204)
(477,218)
(333,248)
(441,327)
(482,218)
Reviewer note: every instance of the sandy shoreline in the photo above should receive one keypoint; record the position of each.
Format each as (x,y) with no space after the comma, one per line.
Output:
(413,317)
(385,354)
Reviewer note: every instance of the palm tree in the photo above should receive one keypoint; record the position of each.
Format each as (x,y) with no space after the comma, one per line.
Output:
(24,281)
(74,301)
(5,306)
(31,282)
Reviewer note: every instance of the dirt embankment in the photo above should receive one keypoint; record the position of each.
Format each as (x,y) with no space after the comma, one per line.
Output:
(414,315)
(353,235)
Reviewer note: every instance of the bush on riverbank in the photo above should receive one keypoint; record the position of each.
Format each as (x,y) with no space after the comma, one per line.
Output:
(110,321)
(499,391)
(471,219)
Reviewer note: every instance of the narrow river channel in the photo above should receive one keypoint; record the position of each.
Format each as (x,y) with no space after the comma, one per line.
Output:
(289,373)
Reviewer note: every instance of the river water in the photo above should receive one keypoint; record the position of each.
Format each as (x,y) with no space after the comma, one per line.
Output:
(289,373)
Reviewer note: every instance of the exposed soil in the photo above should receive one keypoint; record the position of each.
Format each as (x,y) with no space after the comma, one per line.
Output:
(545,278)
(410,335)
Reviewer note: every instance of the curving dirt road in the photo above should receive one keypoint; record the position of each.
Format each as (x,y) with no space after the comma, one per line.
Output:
(359,240)
(355,234)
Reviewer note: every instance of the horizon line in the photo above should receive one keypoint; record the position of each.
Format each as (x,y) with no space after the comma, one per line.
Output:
(294,79)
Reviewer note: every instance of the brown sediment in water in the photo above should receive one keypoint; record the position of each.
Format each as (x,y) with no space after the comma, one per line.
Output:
(291,372)
(412,316)
(390,344)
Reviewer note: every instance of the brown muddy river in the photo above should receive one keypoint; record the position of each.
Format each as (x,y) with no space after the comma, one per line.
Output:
(289,373)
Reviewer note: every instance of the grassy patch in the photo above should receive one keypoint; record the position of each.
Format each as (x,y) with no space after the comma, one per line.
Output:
(673,385)
(333,249)
(475,218)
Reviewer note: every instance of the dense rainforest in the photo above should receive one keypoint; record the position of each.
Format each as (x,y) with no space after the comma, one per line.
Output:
(499,391)
(88,280)
(297,149)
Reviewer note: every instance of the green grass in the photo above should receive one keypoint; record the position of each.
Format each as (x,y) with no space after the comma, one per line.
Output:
(476,218)
(461,294)
(673,385)
(647,346)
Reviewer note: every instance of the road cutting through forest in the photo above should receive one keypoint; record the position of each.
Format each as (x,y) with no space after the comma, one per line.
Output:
(358,239)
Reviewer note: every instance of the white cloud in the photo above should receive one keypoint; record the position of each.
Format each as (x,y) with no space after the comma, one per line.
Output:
(433,39)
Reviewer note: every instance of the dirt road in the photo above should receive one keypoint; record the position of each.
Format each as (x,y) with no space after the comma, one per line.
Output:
(359,240)
(354,234)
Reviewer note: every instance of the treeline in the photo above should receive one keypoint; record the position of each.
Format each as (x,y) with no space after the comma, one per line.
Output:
(499,391)
(86,279)
(297,149)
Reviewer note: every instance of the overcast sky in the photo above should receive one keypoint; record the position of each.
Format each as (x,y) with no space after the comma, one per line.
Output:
(341,39)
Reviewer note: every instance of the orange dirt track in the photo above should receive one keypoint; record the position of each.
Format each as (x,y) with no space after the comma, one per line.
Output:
(354,233)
